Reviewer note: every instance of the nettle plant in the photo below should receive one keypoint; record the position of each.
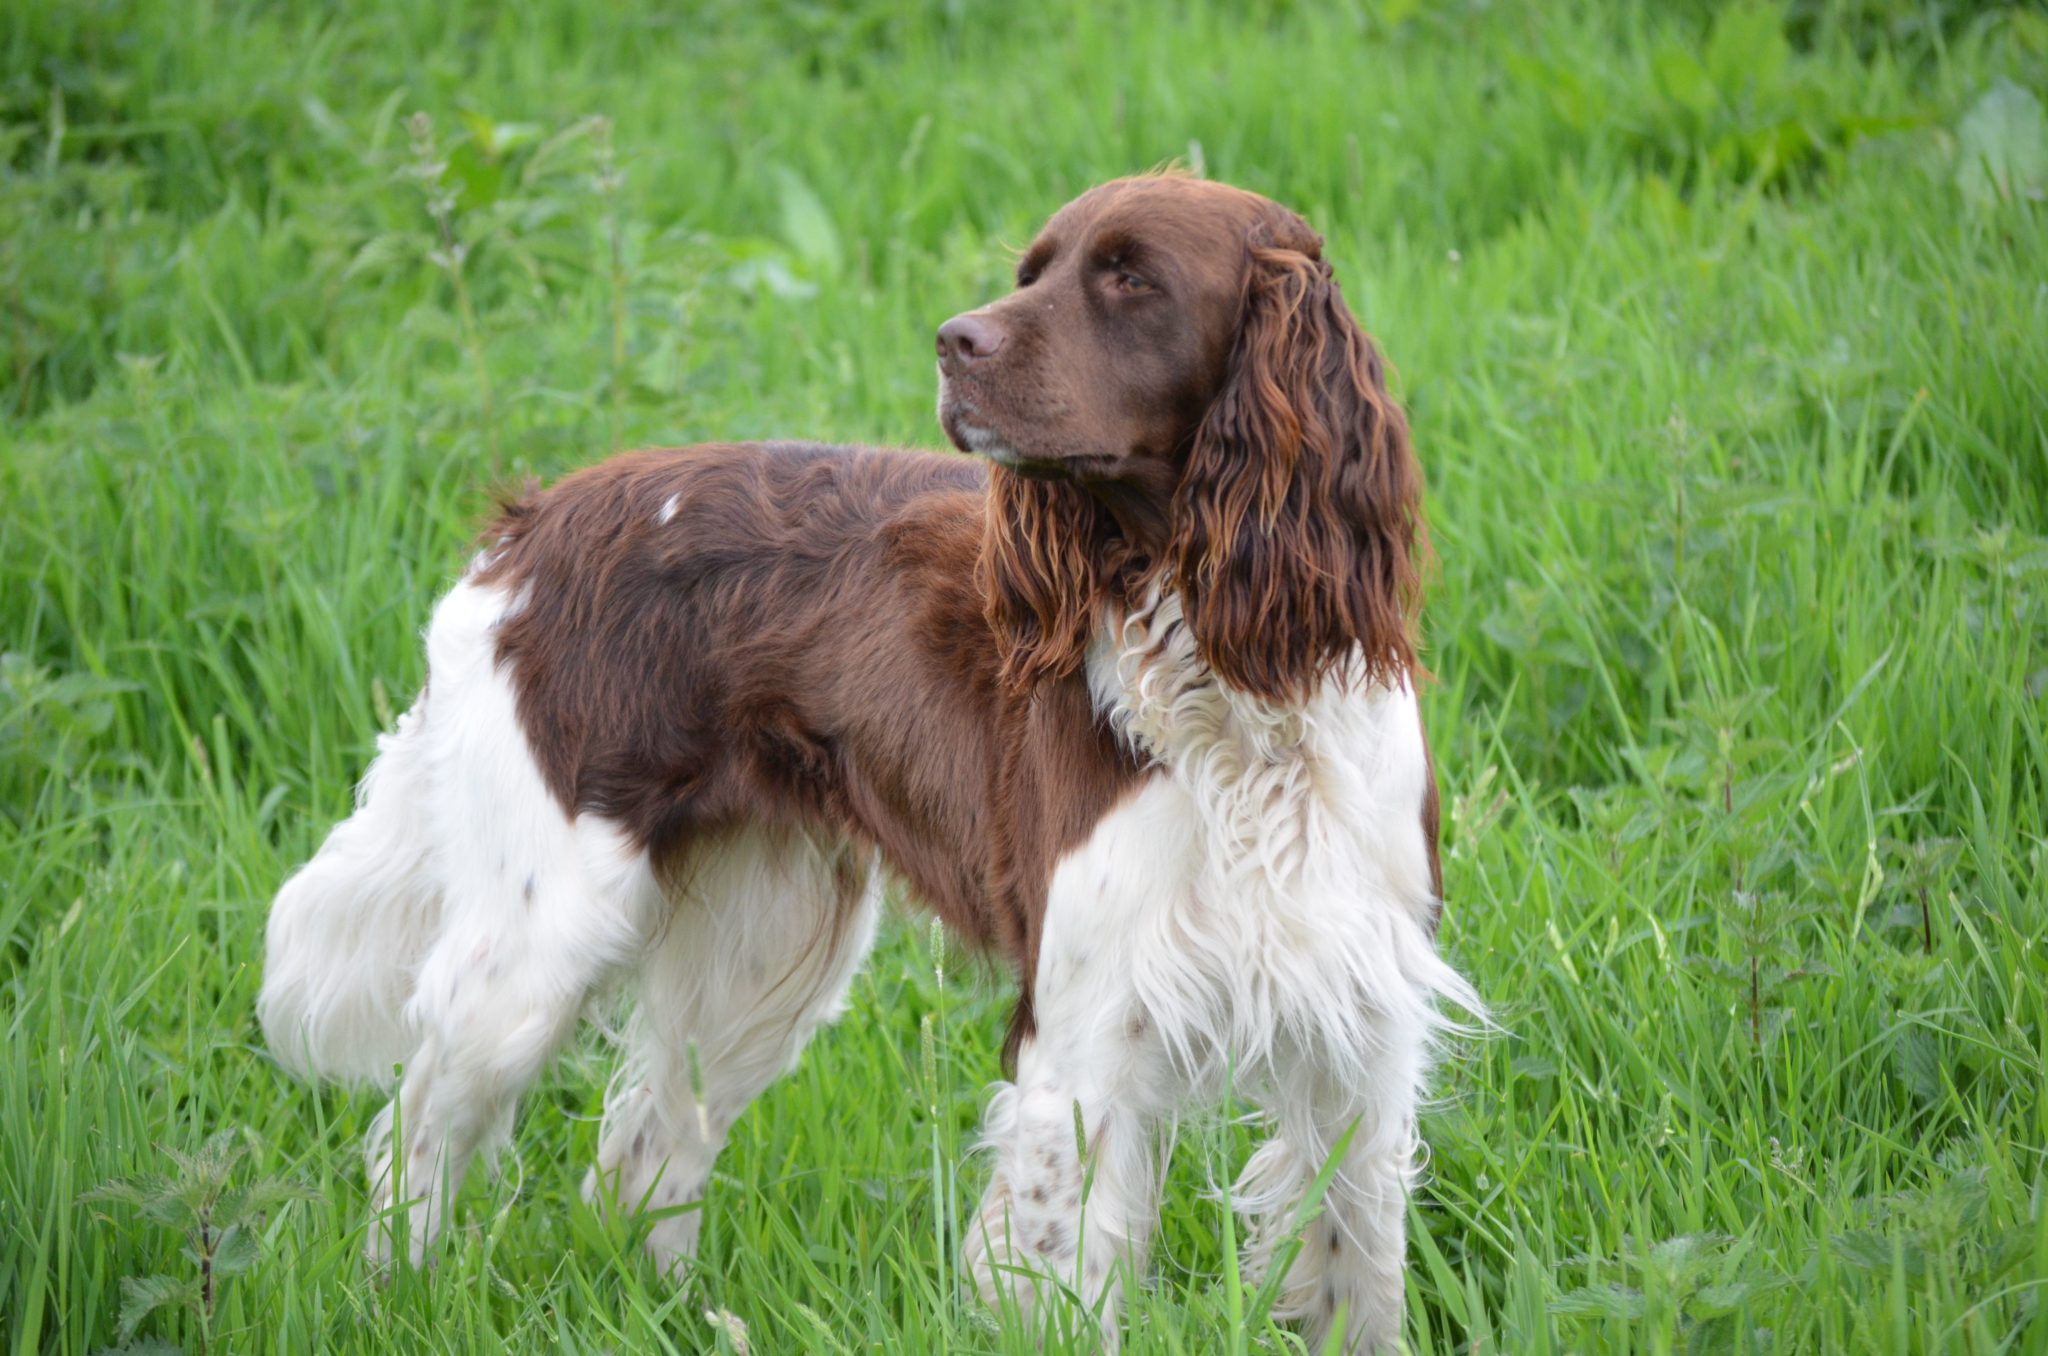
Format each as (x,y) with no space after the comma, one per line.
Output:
(1733,786)
(216,1220)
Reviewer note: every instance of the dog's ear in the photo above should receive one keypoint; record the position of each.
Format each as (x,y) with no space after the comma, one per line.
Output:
(1297,522)
(1047,557)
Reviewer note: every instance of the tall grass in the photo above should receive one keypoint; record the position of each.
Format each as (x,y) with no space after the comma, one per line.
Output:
(1729,376)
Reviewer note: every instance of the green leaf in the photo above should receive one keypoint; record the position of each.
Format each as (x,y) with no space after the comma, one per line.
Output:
(1711,1301)
(205,1170)
(171,1210)
(142,1296)
(1449,1288)
(1864,1250)
(1868,1250)
(130,1192)
(2002,148)
(495,139)
(1601,1301)
(1962,1198)
(1711,1336)
(2031,30)
(1684,1256)
(260,1198)
(807,226)
(479,176)
(235,1253)
(1394,13)
(1684,79)
(228,1207)
(1564,89)
(1917,1061)
(1747,50)
(771,274)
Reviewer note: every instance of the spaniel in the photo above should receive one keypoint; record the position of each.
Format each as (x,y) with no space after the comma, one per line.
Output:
(1129,700)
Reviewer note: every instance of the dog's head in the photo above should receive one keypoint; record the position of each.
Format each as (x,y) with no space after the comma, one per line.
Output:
(1176,391)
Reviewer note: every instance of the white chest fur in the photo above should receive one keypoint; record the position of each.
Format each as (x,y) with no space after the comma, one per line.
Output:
(1275,903)
(1255,917)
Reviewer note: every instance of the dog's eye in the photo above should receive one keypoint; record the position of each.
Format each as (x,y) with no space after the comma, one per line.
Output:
(1026,277)
(1128,282)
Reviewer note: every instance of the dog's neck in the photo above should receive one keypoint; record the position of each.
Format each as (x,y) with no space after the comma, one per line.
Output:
(1152,685)
(1141,502)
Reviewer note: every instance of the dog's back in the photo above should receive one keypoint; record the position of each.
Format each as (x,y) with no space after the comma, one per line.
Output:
(631,678)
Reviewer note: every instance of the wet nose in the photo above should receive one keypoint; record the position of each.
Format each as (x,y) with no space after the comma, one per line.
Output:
(968,339)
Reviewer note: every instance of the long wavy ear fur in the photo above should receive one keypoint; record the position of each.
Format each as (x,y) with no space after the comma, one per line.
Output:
(1297,523)
(1049,553)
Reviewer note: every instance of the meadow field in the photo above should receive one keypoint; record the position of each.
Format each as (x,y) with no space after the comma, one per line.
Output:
(1724,334)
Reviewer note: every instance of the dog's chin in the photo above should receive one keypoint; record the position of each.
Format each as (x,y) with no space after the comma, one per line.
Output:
(992,446)
(1025,465)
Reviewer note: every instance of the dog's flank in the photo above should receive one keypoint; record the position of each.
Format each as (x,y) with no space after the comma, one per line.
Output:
(1134,708)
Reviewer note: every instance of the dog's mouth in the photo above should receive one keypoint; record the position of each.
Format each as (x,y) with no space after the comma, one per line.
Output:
(1029,469)
(958,416)
(982,443)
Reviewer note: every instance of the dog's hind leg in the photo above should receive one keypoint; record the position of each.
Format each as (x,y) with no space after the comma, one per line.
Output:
(348,930)
(539,907)
(766,930)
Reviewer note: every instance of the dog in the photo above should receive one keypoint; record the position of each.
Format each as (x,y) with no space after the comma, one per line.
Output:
(1128,699)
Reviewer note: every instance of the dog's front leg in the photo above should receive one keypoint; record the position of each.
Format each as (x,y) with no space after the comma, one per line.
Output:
(1347,1279)
(1073,1199)
(1072,1202)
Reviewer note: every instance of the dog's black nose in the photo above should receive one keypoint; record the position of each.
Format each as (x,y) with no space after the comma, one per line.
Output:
(968,339)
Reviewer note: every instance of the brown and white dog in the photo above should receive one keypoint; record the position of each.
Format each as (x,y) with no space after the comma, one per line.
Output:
(1134,706)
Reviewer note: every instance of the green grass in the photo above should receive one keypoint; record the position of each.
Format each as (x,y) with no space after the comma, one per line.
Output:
(1729,370)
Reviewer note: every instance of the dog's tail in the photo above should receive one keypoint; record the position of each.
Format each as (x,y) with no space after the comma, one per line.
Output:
(348,932)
